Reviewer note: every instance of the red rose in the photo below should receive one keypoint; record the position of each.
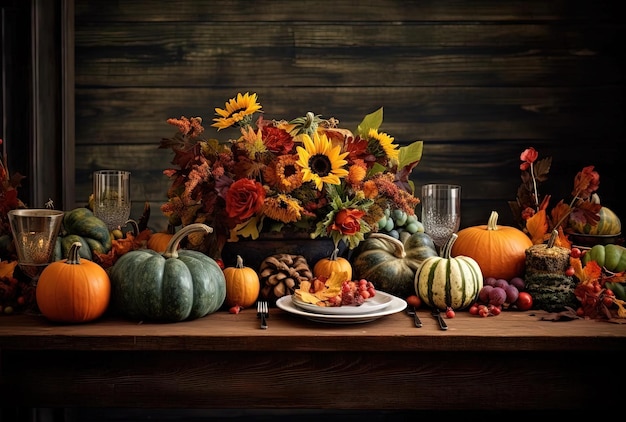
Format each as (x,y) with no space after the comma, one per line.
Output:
(244,198)
(347,222)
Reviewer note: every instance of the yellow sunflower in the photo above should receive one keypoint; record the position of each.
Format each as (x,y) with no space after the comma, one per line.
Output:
(386,146)
(238,109)
(282,208)
(320,161)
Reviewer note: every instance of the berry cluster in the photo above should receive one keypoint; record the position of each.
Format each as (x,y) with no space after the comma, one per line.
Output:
(395,222)
(499,294)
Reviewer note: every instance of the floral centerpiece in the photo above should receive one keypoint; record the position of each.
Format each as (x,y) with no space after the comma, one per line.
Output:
(302,175)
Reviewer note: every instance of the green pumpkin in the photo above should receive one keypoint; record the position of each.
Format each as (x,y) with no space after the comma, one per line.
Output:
(81,225)
(448,282)
(174,286)
(390,264)
(612,257)
(609,224)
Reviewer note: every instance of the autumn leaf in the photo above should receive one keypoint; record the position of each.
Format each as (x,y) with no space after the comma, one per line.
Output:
(537,227)
(7,268)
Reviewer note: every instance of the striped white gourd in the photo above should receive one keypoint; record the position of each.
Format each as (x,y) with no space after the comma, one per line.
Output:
(443,281)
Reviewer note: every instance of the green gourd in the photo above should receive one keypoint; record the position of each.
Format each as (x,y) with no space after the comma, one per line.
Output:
(390,264)
(611,256)
(81,225)
(448,282)
(172,286)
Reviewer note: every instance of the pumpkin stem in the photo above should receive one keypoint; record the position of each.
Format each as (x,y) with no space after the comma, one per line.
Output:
(398,246)
(492,223)
(239,261)
(171,250)
(333,256)
(73,257)
(134,226)
(447,248)
(552,239)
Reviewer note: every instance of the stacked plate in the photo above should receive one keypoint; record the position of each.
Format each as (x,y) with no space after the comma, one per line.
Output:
(380,305)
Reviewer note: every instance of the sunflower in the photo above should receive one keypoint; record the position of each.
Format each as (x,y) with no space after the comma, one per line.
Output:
(320,161)
(238,110)
(381,145)
(284,173)
(282,208)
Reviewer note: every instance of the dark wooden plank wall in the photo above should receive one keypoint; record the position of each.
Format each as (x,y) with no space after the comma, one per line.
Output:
(478,81)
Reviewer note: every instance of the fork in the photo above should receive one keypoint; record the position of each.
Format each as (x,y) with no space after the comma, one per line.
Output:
(262,311)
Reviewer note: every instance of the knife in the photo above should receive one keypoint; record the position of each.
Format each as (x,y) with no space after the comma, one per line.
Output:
(437,315)
(411,311)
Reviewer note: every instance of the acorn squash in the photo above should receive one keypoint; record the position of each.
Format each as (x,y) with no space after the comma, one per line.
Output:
(81,225)
(390,264)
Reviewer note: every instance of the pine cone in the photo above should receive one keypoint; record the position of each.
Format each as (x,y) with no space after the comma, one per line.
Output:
(281,274)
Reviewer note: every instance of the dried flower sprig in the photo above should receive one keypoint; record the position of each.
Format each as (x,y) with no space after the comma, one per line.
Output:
(531,211)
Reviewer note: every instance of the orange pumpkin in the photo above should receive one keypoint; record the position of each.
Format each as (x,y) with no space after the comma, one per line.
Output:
(73,290)
(242,285)
(333,264)
(158,241)
(500,251)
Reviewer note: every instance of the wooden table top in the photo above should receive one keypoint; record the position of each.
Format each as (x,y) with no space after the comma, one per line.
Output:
(223,331)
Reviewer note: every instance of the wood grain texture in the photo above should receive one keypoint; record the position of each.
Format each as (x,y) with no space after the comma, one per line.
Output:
(214,361)
(478,82)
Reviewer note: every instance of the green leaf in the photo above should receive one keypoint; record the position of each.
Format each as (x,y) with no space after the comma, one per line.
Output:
(410,153)
(371,121)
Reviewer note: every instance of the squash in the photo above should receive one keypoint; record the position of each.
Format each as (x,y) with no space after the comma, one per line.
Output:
(73,290)
(242,285)
(333,264)
(500,251)
(611,256)
(448,282)
(81,225)
(159,241)
(608,225)
(174,286)
(390,264)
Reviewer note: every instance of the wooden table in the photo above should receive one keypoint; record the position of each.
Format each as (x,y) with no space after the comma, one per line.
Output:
(511,361)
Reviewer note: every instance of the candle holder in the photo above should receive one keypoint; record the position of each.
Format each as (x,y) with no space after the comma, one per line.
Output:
(35,234)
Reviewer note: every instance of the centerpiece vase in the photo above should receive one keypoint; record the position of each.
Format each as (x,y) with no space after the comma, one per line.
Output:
(253,252)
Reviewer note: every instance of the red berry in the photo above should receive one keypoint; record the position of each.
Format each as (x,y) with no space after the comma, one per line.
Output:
(575,253)
(570,271)
(450,313)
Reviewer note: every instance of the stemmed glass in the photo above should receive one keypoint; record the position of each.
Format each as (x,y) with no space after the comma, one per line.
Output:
(111,191)
(35,233)
(441,211)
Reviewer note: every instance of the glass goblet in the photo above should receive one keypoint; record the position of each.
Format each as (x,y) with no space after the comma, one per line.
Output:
(111,191)
(35,233)
(441,211)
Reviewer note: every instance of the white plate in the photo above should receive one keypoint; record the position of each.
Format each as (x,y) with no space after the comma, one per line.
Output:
(376,303)
(396,305)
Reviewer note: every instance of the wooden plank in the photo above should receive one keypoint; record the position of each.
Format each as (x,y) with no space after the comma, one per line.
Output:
(401,380)
(458,114)
(315,10)
(349,54)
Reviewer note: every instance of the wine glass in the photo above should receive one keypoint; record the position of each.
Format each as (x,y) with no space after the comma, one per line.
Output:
(35,233)
(111,194)
(441,211)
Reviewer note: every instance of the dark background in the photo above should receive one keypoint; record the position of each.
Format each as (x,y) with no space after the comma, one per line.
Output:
(477,81)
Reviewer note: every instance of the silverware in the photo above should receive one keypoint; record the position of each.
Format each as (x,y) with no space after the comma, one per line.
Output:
(262,312)
(442,324)
(411,311)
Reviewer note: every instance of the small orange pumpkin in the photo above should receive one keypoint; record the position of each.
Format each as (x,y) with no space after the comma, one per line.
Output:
(333,264)
(158,241)
(242,285)
(499,250)
(73,290)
